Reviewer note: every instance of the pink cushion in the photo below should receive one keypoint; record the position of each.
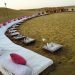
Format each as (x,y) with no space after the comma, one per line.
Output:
(0,26)
(9,21)
(4,23)
(14,19)
(18,18)
(17,59)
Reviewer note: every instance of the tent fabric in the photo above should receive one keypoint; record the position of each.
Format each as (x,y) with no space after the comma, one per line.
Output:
(36,62)
(13,68)
(37,65)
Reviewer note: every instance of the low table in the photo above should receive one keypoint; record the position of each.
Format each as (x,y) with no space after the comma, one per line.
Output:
(19,23)
(19,37)
(15,33)
(52,47)
(12,28)
(12,31)
(28,40)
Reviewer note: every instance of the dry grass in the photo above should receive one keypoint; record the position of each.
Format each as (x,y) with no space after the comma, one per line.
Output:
(6,14)
(59,28)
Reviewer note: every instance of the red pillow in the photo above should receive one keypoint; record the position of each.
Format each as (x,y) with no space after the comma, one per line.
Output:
(17,59)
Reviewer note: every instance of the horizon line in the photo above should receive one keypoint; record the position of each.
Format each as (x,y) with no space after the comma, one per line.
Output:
(38,7)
